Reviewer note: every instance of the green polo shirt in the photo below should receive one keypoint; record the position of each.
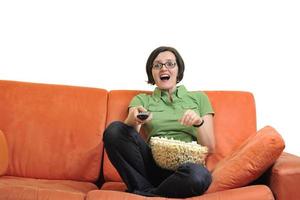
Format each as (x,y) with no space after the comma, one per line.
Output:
(166,114)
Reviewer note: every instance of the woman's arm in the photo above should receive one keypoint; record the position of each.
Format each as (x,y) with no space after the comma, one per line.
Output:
(206,133)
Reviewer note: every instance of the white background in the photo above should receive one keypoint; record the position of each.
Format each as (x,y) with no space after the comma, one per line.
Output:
(226,45)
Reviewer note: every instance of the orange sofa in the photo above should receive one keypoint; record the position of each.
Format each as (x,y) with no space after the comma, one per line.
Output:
(51,146)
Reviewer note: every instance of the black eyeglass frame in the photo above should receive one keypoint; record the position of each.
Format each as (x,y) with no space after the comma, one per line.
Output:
(168,65)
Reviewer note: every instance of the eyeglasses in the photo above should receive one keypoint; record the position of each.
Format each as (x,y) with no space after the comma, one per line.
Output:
(168,65)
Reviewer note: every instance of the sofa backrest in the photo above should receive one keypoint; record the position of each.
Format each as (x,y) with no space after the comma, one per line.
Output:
(234,122)
(53,131)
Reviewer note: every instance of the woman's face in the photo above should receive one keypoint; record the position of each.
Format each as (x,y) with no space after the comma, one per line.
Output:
(165,76)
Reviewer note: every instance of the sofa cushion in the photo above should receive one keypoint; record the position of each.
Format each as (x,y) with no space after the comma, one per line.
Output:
(53,131)
(249,161)
(3,154)
(27,188)
(116,186)
(234,122)
(16,192)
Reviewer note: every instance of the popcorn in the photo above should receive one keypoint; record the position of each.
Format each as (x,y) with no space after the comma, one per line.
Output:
(170,153)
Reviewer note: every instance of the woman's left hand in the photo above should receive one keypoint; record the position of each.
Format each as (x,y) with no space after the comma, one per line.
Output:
(190,118)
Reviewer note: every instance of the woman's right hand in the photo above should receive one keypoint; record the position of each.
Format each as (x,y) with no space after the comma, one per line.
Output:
(133,120)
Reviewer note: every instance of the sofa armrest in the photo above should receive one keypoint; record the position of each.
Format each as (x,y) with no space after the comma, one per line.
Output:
(3,154)
(284,177)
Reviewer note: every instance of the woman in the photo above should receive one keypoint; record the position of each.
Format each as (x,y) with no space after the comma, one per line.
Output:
(175,113)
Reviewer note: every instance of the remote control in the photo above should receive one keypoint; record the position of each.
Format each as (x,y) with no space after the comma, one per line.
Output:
(143,115)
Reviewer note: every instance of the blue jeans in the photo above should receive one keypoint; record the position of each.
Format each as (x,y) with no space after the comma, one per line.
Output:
(132,157)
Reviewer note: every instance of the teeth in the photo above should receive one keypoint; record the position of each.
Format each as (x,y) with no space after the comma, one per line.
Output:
(164,77)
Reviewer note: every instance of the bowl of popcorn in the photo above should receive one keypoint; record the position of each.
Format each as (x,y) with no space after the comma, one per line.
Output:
(170,153)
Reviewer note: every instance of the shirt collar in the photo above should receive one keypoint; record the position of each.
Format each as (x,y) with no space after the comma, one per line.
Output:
(180,92)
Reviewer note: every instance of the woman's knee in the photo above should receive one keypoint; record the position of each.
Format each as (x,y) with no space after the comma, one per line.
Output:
(199,178)
(113,132)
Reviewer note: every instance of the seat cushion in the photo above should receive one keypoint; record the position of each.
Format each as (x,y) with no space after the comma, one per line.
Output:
(257,192)
(31,193)
(27,188)
(117,186)
(249,161)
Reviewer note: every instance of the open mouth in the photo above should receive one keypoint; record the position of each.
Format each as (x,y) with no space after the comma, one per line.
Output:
(164,77)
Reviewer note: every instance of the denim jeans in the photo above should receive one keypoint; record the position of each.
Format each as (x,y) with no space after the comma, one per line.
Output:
(132,157)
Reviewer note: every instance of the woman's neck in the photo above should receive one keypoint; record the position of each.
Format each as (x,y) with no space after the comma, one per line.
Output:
(170,92)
